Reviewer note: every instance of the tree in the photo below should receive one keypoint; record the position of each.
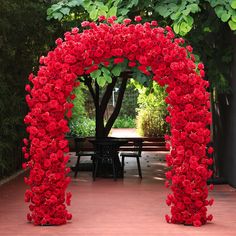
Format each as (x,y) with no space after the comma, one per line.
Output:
(102,129)
(201,23)
(24,36)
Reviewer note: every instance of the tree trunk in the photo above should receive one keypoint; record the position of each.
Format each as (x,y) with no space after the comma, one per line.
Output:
(103,130)
(99,117)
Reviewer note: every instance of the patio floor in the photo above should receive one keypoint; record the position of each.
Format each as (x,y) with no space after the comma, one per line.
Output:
(127,207)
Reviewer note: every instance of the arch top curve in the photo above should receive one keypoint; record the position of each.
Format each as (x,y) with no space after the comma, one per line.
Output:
(159,55)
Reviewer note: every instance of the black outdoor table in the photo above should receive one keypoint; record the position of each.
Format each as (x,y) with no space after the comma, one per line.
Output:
(106,159)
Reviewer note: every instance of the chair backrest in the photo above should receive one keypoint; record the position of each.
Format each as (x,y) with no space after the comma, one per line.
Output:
(106,149)
(138,146)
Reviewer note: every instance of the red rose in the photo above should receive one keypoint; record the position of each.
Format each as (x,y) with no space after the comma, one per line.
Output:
(75,30)
(200,66)
(118,60)
(101,18)
(168,220)
(99,52)
(69,216)
(47,163)
(197,223)
(138,18)
(154,23)
(143,60)
(127,21)
(132,64)
(59,41)
(210,150)
(189,48)
(210,218)
(85,23)
(27,88)
(29,217)
(63,143)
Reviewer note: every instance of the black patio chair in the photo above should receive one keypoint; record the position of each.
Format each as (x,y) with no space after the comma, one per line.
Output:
(106,153)
(79,142)
(135,154)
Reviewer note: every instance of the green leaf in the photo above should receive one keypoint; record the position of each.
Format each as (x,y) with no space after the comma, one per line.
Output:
(102,13)
(99,4)
(163,11)
(55,7)
(115,3)
(172,6)
(175,16)
(106,71)
(116,70)
(233,4)
(186,11)
(112,11)
(176,28)
(124,11)
(225,17)
(232,25)
(49,11)
(93,14)
(189,20)
(184,28)
(233,18)
(101,81)
(96,74)
(207,29)
(214,3)
(103,8)
(74,3)
(197,58)
(86,3)
(108,78)
(142,79)
(219,10)
(65,10)
(132,3)
(194,8)
(57,15)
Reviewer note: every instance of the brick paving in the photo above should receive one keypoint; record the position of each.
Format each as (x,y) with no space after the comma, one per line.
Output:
(129,206)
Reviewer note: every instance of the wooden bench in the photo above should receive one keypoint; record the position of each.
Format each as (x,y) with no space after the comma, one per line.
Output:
(152,144)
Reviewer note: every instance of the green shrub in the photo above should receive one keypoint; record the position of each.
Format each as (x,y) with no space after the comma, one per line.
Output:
(78,110)
(152,112)
(80,124)
(83,127)
(124,122)
(129,104)
(151,123)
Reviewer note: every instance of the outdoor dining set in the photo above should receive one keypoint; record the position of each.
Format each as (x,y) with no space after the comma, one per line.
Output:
(108,159)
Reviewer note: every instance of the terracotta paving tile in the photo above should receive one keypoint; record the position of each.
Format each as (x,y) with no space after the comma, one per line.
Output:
(127,207)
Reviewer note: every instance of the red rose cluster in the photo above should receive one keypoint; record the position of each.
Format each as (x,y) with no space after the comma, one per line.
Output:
(154,51)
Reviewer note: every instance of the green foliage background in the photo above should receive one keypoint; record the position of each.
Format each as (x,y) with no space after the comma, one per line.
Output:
(152,111)
(25,35)
(80,124)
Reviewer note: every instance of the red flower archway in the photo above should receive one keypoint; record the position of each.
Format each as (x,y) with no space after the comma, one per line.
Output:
(155,52)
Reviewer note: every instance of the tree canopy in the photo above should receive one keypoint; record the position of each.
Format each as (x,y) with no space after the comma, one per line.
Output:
(25,34)
(204,24)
